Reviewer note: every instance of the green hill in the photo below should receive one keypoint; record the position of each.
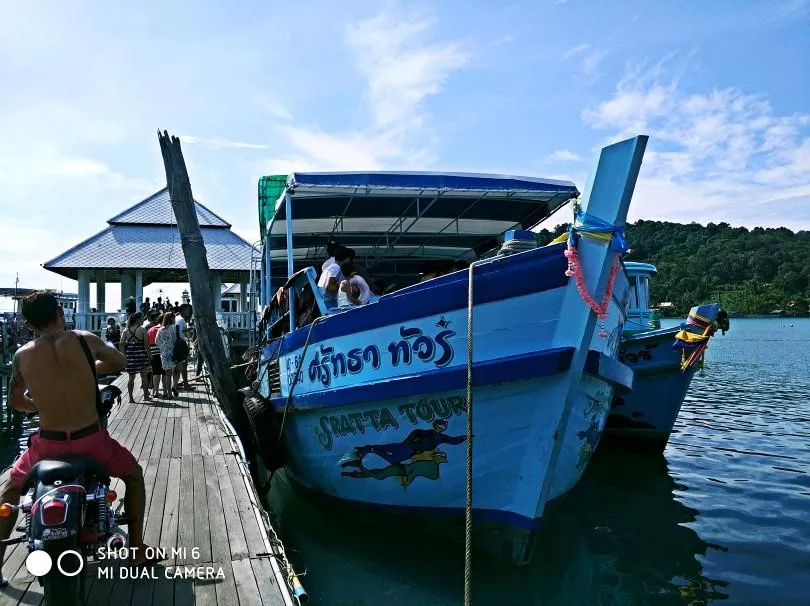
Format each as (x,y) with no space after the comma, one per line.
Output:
(753,271)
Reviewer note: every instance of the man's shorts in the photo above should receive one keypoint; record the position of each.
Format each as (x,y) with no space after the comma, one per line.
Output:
(116,459)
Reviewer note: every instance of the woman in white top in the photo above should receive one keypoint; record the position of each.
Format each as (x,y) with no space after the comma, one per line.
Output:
(331,277)
(354,287)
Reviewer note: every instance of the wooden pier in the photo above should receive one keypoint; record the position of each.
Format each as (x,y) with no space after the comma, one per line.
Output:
(199,494)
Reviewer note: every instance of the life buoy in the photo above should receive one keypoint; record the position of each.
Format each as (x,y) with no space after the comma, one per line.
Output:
(264,427)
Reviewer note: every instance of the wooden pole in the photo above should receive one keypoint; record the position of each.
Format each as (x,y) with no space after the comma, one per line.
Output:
(199,275)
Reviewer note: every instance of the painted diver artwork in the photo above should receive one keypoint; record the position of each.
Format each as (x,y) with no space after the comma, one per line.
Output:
(418,455)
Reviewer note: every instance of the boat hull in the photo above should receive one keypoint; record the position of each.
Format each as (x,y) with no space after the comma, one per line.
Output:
(645,418)
(411,463)
(379,416)
(647,415)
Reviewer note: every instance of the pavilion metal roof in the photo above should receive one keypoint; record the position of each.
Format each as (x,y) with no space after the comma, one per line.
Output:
(146,237)
(157,210)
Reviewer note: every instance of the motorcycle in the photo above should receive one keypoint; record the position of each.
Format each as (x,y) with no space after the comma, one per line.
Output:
(69,515)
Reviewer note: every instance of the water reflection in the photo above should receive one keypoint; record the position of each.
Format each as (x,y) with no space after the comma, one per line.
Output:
(638,530)
(621,537)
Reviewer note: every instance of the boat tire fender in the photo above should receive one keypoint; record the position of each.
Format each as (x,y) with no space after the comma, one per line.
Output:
(264,427)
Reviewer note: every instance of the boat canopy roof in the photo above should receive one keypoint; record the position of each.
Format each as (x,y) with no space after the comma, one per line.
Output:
(635,268)
(396,221)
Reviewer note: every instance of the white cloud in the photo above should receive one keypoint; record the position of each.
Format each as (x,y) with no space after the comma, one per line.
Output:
(714,155)
(217,143)
(592,61)
(403,66)
(274,108)
(575,50)
(794,9)
(563,155)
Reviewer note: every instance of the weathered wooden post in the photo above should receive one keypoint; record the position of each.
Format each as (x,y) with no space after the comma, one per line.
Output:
(199,275)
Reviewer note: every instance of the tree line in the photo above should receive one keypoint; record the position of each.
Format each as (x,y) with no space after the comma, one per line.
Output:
(754,271)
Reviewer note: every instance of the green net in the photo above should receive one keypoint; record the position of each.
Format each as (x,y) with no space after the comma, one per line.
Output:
(270,188)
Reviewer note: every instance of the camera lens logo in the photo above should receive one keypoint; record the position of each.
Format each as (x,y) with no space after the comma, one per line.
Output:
(39,563)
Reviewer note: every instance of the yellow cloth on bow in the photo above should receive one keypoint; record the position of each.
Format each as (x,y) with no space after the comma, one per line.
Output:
(690,337)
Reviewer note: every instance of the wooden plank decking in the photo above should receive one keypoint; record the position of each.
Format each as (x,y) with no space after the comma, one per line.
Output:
(198,494)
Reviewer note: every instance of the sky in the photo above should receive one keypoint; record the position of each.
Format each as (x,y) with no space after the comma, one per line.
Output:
(531,87)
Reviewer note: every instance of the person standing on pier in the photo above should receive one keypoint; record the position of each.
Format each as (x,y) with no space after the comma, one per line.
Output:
(135,346)
(182,366)
(51,375)
(113,334)
(166,337)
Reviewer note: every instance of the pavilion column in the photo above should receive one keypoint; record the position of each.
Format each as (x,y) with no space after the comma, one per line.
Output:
(216,285)
(127,288)
(243,298)
(138,288)
(101,290)
(83,304)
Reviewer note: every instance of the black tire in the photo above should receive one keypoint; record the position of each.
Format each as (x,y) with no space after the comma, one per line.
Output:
(264,429)
(61,590)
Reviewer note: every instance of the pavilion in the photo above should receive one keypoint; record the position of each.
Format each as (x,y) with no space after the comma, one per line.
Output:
(141,246)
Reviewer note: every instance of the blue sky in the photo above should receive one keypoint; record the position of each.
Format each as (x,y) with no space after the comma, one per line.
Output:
(532,87)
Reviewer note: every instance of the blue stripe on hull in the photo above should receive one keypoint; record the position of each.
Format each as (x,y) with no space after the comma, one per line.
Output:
(503,370)
(504,278)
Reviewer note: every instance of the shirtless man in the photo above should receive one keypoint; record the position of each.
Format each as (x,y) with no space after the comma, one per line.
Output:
(60,384)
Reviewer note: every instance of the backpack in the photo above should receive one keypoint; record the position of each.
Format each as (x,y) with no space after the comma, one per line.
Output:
(181,349)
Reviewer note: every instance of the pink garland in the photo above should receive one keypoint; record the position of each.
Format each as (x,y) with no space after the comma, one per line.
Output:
(575,269)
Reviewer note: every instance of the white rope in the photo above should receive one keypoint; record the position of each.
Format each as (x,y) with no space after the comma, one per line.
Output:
(516,246)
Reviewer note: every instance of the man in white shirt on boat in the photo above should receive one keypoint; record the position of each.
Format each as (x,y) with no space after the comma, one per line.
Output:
(331,247)
(330,279)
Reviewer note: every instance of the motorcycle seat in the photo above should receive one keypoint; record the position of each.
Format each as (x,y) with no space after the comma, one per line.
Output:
(66,469)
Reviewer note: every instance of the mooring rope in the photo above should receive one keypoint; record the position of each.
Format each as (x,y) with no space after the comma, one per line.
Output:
(297,372)
(469,478)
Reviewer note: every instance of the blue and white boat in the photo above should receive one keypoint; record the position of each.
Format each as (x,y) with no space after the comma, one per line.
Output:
(378,413)
(664,361)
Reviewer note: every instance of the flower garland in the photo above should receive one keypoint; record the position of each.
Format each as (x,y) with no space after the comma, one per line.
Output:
(575,269)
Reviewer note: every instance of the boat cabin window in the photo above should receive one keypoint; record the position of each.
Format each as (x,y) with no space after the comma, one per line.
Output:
(633,294)
(643,292)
